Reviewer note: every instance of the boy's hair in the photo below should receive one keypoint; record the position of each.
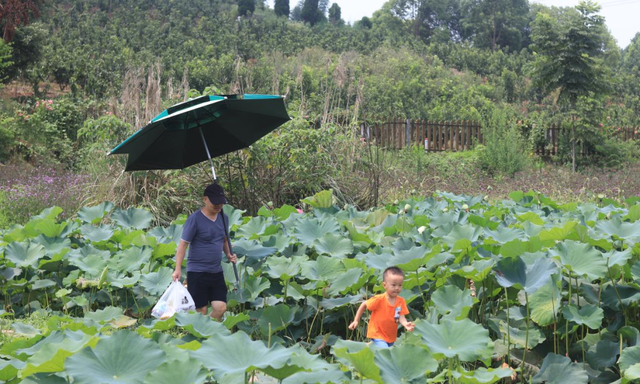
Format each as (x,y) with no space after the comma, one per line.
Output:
(392,271)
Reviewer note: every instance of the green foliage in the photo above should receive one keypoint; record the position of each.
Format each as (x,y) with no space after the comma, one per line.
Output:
(505,151)
(5,60)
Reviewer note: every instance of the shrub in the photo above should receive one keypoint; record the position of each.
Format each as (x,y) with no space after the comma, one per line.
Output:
(505,150)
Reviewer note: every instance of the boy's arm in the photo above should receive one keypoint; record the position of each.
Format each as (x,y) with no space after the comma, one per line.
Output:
(361,310)
(407,324)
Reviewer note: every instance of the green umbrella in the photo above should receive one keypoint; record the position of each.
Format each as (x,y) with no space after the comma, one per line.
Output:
(199,129)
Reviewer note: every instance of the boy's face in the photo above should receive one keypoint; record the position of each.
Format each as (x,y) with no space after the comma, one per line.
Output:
(393,284)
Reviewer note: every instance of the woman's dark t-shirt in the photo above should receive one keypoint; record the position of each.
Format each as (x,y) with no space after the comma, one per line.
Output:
(205,238)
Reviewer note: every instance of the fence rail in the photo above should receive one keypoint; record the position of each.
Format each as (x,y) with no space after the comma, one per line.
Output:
(438,136)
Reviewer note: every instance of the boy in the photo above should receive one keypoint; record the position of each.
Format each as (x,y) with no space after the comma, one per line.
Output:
(387,310)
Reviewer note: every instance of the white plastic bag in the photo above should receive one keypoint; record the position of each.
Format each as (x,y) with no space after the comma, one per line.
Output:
(175,299)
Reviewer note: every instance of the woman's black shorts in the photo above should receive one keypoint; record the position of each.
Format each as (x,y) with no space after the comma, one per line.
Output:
(206,287)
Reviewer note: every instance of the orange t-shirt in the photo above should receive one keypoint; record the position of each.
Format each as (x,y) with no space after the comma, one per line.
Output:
(382,324)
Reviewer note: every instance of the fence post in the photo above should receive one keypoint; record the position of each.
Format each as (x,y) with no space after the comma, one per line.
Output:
(407,133)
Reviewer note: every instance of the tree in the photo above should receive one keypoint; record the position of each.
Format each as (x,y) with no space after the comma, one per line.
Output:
(569,51)
(14,13)
(246,7)
(335,14)
(425,17)
(281,7)
(364,23)
(496,23)
(310,12)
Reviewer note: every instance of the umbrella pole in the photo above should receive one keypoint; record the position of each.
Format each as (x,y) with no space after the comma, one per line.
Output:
(206,147)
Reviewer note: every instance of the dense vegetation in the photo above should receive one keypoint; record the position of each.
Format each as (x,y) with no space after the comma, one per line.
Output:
(531,278)
(527,279)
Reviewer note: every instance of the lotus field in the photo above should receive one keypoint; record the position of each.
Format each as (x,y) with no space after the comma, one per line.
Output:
(523,280)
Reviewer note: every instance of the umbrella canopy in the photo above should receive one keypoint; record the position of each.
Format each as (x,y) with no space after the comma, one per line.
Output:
(201,128)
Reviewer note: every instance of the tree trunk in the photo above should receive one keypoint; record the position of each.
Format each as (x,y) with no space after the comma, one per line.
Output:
(573,144)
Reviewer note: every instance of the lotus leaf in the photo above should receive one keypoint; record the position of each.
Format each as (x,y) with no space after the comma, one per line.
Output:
(24,254)
(340,302)
(166,235)
(255,286)
(514,271)
(234,215)
(322,269)
(452,302)
(93,264)
(589,315)
(171,372)
(518,333)
(253,228)
(334,375)
(157,282)
(633,372)
(124,357)
(9,273)
(120,280)
(232,321)
(582,259)
(284,268)
(603,355)
(377,261)
(97,234)
(122,322)
(25,329)
(96,213)
(278,317)
(404,363)
(545,303)
(53,245)
(310,229)
(550,236)
(200,325)
(462,232)
(345,282)
(630,334)
(450,338)
(558,369)
(618,229)
(410,259)
(52,355)
(9,368)
(132,259)
(334,245)
(483,375)
(252,249)
(362,360)
(629,357)
(628,295)
(618,258)
(132,218)
(504,234)
(239,355)
(105,315)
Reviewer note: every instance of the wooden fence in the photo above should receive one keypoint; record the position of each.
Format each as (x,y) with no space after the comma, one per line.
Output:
(437,136)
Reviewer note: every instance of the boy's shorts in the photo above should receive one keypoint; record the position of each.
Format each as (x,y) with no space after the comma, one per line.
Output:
(378,342)
(205,287)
